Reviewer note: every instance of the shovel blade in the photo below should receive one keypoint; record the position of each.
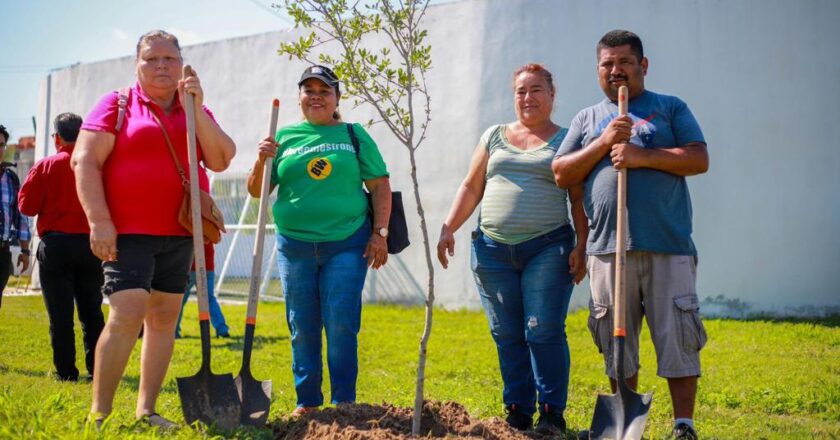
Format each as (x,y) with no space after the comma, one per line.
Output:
(255,398)
(620,416)
(210,398)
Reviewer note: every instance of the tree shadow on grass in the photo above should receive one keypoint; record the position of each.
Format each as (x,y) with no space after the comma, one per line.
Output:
(4,369)
(238,343)
(133,382)
(831,321)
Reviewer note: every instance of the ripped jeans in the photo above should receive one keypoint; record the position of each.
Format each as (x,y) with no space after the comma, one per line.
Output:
(525,290)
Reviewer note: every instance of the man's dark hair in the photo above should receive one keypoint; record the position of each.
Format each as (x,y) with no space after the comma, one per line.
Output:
(620,37)
(67,126)
(4,133)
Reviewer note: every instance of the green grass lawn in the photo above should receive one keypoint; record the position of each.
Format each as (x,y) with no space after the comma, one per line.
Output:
(761,379)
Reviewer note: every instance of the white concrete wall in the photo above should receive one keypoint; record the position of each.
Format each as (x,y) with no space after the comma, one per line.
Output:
(761,76)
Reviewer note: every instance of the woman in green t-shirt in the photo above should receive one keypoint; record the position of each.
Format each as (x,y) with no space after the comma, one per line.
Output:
(325,240)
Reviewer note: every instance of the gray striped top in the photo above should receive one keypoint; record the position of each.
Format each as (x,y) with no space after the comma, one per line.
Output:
(521,200)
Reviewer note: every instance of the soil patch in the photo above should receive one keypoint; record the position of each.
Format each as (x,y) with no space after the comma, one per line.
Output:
(387,422)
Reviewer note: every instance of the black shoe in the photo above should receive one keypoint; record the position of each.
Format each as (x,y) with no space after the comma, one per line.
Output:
(518,419)
(684,432)
(550,422)
(223,335)
(69,377)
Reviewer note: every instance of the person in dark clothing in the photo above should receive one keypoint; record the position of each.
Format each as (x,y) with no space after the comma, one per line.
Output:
(68,269)
(14,228)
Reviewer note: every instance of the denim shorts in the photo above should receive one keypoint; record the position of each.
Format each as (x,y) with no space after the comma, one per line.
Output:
(149,262)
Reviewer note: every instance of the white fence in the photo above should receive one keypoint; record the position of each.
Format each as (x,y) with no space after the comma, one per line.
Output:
(393,283)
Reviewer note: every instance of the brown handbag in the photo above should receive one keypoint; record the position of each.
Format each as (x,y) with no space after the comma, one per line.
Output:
(212,222)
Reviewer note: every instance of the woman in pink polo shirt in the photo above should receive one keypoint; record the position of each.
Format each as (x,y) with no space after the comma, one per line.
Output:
(131,191)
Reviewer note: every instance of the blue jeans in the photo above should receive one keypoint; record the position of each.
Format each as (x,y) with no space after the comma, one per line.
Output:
(525,290)
(216,316)
(322,284)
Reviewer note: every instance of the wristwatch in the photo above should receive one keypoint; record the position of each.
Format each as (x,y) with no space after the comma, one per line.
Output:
(382,232)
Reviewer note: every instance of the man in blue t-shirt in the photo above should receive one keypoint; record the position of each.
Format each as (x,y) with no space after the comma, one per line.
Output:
(659,142)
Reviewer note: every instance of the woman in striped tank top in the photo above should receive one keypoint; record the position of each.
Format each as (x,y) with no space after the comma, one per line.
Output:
(524,257)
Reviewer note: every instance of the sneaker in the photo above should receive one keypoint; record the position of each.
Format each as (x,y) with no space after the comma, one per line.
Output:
(303,410)
(550,422)
(684,432)
(518,419)
(156,420)
(223,335)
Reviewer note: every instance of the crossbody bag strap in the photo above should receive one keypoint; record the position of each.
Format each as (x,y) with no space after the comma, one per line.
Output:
(353,139)
(122,103)
(184,180)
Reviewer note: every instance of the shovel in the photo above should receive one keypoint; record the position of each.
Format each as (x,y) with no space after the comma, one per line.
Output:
(207,397)
(255,395)
(620,416)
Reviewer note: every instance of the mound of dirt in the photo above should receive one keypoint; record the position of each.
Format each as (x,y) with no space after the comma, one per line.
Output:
(387,422)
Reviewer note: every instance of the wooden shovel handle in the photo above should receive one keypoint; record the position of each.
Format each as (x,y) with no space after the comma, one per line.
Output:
(619,292)
(195,206)
(256,266)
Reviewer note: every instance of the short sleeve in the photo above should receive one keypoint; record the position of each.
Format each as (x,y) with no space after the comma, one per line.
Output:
(103,116)
(210,114)
(574,137)
(685,126)
(371,163)
(275,179)
(484,140)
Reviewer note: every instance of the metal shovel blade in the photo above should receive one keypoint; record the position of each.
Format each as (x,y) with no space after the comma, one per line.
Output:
(254,395)
(256,399)
(210,398)
(620,416)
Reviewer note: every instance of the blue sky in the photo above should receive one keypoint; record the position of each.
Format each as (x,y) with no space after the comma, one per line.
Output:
(39,35)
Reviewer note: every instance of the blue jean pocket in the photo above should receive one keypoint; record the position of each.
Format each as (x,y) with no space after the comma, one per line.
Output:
(562,234)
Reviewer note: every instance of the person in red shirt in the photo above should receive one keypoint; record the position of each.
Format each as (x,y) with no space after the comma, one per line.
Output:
(68,269)
(131,192)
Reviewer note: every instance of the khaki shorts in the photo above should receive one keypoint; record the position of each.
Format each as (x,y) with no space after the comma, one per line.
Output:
(661,288)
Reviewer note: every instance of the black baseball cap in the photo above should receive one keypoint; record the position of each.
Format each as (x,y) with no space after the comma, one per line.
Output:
(323,73)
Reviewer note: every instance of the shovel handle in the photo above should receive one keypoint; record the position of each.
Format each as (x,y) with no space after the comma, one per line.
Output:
(619,292)
(198,231)
(256,266)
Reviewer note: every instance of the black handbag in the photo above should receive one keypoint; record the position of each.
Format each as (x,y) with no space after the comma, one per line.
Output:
(397,229)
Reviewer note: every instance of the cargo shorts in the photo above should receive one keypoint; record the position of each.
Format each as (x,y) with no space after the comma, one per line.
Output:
(660,287)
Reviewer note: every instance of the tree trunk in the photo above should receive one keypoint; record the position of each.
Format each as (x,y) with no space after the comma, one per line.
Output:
(430,300)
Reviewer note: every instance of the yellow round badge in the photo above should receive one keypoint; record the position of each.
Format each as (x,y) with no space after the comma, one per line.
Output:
(319,168)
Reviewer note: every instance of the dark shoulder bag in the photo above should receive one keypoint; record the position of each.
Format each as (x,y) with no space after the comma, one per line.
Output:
(397,228)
